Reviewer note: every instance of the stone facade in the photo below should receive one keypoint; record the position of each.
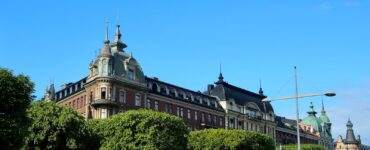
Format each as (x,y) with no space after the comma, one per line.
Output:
(116,83)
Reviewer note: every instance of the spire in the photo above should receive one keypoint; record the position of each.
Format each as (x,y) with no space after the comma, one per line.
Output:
(260,90)
(106,40)
(106,51)
(220,76)
(312,111)
(322,107)
(350,136)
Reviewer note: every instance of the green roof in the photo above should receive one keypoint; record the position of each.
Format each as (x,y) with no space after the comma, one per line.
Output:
(312,120)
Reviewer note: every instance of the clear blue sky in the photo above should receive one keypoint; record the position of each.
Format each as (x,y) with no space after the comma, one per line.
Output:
(183,42)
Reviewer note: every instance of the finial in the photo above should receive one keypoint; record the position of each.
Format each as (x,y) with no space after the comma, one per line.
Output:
(220,77)
(260,91)
(106,40)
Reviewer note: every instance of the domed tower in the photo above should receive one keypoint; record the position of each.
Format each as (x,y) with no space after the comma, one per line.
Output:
(326,136)
(312,120)
(114,76)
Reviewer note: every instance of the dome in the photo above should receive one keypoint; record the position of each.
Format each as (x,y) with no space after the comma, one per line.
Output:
(324,118)
(312,120)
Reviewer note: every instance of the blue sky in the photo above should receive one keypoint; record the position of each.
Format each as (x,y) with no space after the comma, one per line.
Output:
(183,42)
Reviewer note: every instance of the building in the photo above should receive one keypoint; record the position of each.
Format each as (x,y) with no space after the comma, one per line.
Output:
(116,83)
(244,109)
(319,125)
(286,132)
(350,142)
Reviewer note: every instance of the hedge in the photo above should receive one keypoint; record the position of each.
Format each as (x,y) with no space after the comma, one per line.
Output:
(221,139)
(141,129)
(303,147)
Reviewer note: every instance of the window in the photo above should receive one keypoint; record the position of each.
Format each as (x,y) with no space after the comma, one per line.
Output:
(103,93)
(147,103)
(195,115)
(182,112)
(156,105)
(189,115)
(122,96)
(103,113)
(178,111)
(202,117)
(137,100)
(131,74)
(220,121)
(215,119)
(209,118)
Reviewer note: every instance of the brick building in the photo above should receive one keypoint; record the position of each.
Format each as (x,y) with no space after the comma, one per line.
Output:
(116,83)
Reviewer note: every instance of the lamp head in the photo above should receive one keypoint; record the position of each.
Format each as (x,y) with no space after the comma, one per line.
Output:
(330,94)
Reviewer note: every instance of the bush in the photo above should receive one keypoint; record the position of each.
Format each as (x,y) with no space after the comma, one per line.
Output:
(56,127)
(15,98)
(142,129)
(303,147)
(229,139)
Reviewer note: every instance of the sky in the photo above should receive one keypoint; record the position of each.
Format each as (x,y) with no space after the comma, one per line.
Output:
(184,43)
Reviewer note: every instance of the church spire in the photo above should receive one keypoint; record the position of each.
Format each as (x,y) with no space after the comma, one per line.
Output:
(322,107)
(106,40)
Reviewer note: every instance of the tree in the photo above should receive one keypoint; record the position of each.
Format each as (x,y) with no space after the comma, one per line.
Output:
(142,129)
(303,147)
(221,139)
(15,98)
(56,127)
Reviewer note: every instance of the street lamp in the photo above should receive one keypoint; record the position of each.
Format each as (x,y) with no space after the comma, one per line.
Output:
(296,97)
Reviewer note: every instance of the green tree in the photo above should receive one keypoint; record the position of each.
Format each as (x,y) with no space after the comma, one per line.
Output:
(142,129)
(15,98)
(56,127)
(221,139)
(303,147)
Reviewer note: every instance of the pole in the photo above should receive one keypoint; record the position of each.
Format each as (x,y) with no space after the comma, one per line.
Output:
(297,109)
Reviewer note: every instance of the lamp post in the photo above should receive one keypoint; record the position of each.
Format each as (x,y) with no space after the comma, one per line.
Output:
(297,97)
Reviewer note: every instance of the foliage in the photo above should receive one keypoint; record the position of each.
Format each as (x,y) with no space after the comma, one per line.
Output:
(229,139)
(56,127)
(303,147)
(15,98)
(142,129)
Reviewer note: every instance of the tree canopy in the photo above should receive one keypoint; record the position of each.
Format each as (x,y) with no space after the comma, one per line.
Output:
(56,127)
(142,129)
(15,98)
(221,139)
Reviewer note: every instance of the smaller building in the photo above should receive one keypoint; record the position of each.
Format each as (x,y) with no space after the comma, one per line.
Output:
(350,142)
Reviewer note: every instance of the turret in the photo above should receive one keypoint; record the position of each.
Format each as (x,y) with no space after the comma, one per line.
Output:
(350,136)
(118,45)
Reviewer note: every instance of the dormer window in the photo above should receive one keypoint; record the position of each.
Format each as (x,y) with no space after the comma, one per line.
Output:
(131,74)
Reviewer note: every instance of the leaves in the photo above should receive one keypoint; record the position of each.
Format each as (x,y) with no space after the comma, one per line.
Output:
(56,127)
(229,139)
(15,97)
(142,129)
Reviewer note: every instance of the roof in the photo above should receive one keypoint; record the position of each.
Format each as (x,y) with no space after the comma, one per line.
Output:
(241,96)
(312,120)
(213,101)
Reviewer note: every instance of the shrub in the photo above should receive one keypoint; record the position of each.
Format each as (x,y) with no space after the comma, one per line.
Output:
(303,147)
(229,139)
(56,127)
(142,129)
